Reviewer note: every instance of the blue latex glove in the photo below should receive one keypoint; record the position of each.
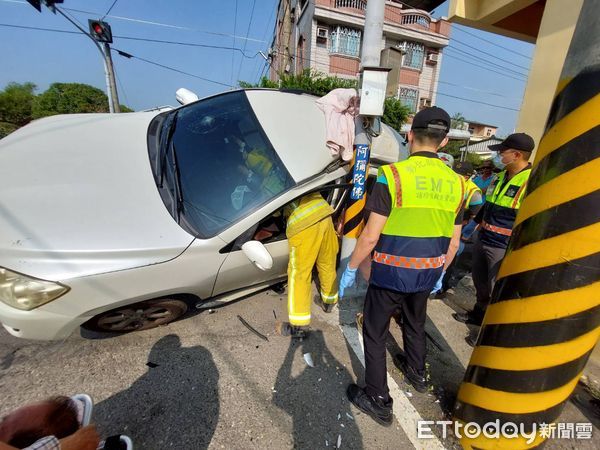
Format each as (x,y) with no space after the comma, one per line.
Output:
(438,285)
(347,280)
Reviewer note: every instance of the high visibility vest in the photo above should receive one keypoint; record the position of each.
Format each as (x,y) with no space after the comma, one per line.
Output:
(426,196)
(470,189)
(305,212)
(258,161)
(500,211)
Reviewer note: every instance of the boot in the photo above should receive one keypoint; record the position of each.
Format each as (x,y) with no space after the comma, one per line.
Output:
(295,331)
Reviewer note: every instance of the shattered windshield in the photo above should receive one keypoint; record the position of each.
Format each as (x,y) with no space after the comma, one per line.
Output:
(227,166)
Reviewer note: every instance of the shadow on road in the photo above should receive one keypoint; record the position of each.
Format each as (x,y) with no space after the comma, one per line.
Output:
(174,405)
(315,398)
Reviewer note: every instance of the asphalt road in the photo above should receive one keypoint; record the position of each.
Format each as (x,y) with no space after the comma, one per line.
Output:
(208,382)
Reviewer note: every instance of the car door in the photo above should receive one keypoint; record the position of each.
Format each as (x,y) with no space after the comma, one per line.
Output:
(238,272)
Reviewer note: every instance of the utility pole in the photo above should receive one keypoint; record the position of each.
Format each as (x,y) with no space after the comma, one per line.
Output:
(111,86)
(99,32)
(543,321)
(285,62)
(373,78)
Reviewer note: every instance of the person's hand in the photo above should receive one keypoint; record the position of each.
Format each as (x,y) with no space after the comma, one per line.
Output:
(347,280)
(438,285)
(85,438)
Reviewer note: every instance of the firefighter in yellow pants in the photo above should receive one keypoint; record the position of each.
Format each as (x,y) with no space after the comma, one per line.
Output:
(312,240)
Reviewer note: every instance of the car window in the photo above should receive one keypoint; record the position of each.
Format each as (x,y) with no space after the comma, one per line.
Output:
(227,166)
(273,227)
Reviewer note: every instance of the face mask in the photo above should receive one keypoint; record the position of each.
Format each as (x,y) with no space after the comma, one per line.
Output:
(497,160)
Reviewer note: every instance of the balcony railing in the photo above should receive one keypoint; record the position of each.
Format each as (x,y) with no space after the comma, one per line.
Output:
(361,5)
(415,19)
(394,14)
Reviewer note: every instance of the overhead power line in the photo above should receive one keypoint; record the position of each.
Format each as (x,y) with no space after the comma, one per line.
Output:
(132,38)
(466,61)
(142,21)
(485,65)
(109,9)
(462,30)
(489,54)
(476,101)
(245,42)
(234,31)
(164,66)
(486,61)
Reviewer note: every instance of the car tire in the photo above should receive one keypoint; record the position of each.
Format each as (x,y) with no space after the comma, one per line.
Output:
(138,316)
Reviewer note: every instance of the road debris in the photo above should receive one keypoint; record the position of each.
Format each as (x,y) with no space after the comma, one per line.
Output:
(349,416)
(408,394)
(339,441)
(274,315)
(308,359)
(247,325)
(152,365)
(339,415)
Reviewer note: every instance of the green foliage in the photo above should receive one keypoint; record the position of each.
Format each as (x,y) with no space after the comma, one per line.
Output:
(6,129)
(457,121)
(394,113)
(125,109)
(15,104)
(319,84)
(70,98)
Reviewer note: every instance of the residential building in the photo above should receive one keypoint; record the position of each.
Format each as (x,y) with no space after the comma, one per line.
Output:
(480,131)
(481,148)
(326,35)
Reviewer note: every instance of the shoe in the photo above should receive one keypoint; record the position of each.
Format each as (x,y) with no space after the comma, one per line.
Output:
(416,379)
(471,340)
(467,318)
(327,307)
(287,329)
(380,411)
(278,288)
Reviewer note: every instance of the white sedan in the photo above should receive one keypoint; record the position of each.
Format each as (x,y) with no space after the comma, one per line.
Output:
(120,222)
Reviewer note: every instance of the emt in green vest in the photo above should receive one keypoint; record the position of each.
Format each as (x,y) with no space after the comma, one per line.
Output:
(412,233)
(497,218)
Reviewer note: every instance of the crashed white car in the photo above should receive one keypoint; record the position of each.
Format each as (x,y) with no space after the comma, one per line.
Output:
(120,222)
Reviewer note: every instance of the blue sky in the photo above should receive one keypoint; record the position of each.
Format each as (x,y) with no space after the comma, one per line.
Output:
(46,57)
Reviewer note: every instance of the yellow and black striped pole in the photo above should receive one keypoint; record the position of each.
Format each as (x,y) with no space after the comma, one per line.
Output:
(544,319)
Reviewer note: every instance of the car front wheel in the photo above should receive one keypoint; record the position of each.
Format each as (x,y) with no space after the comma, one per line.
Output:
(139,316)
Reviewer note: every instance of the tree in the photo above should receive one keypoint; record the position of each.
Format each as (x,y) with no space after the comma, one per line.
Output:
(15,106)
(395,113)
(70,98)
(457,121)
(319,84)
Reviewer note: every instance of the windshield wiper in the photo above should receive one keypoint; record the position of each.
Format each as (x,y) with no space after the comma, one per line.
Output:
(177,183)
(164,147)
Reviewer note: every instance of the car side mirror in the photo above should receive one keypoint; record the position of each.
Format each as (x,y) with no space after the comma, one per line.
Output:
(258,254)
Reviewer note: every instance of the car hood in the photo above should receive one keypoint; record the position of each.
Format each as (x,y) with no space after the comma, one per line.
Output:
(77,197)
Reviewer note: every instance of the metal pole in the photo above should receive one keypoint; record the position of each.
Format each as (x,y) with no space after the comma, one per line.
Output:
(370,57)
(544,319)
(105,60)
(111,83)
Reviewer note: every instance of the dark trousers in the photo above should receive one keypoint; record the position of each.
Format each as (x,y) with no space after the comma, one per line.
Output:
(486,263)
(380,304)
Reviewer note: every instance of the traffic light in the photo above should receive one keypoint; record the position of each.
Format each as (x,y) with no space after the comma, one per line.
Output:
(100,31)
(37,4)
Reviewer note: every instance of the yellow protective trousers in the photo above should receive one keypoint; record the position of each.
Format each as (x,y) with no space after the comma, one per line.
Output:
(318,244)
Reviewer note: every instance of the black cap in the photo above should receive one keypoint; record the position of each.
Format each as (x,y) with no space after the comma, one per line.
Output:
(433,118)
(463,167)
(515,141)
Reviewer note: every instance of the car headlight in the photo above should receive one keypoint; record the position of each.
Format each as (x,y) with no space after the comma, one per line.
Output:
(25,292)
